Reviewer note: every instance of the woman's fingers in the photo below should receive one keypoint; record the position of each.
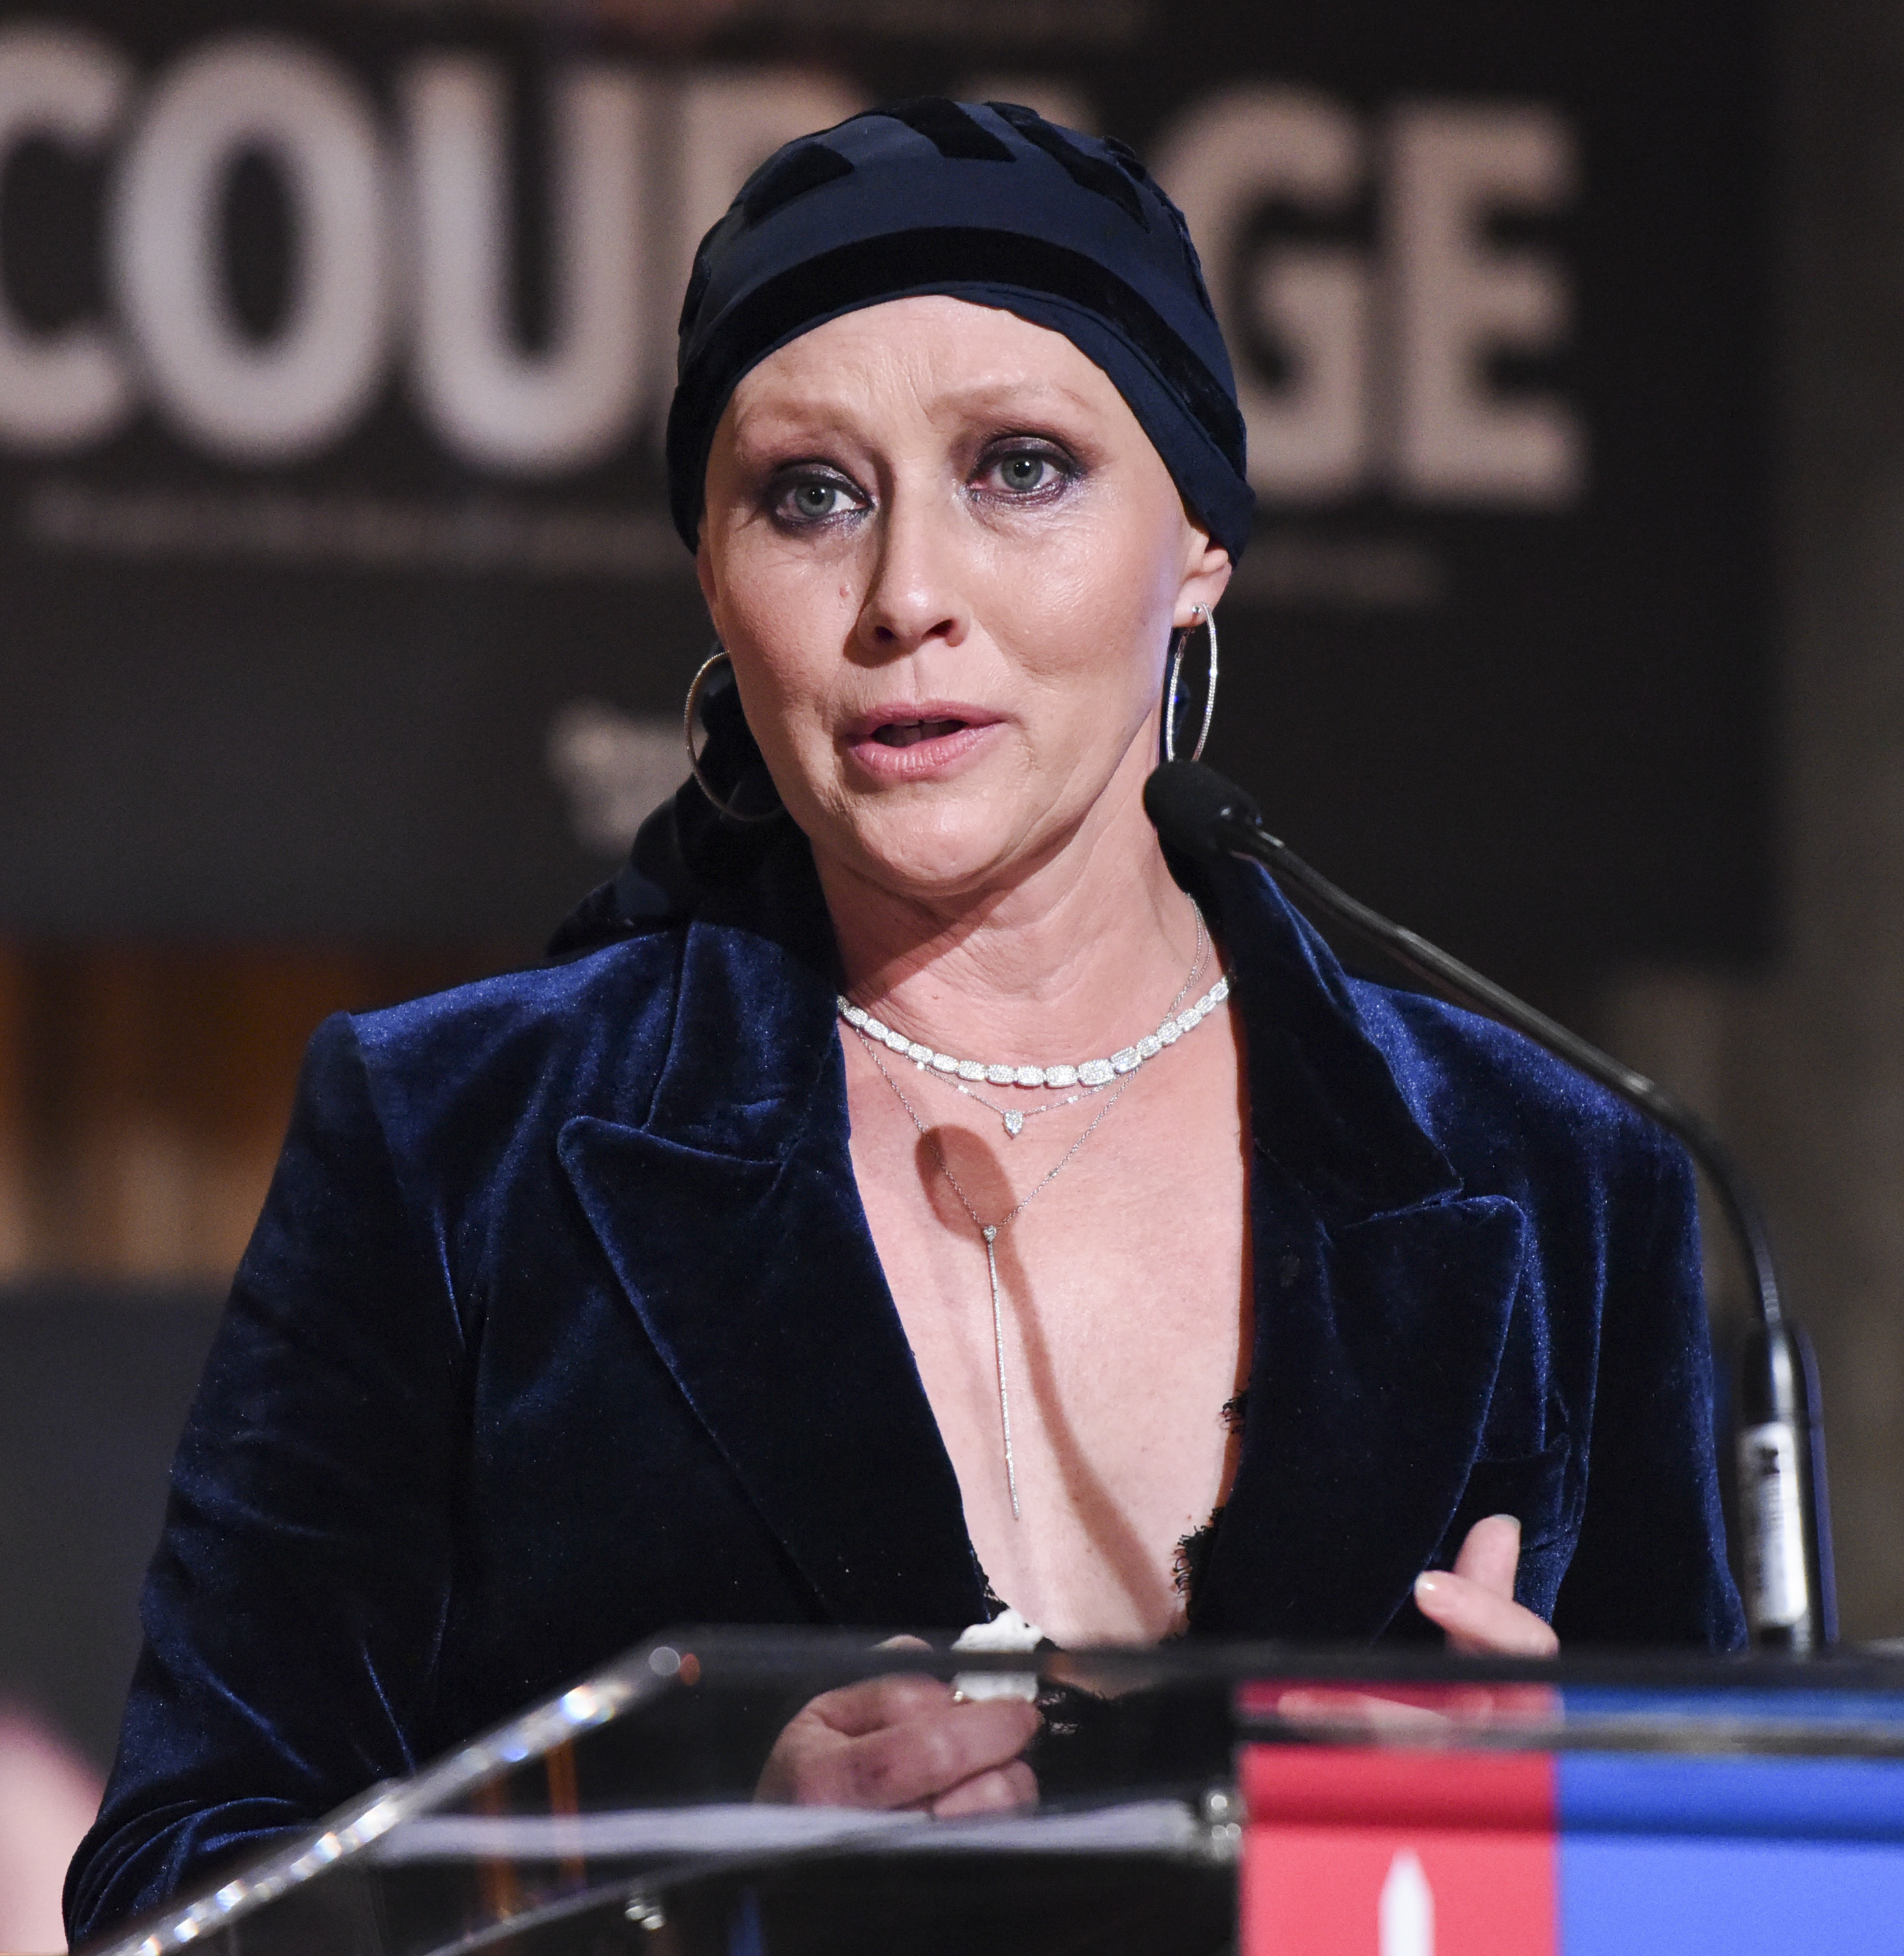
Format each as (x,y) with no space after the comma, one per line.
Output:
(926,1757)
(1479,1622)
(1474,1603)
(1014,1785)
(879,1702)
(1492,1553)
(897,1742)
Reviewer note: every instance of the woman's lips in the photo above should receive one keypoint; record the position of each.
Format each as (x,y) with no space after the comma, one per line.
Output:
(910,733)
(905,743)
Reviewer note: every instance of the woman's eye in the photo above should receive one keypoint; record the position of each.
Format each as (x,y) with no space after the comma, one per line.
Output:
(814,500)
(1022,474)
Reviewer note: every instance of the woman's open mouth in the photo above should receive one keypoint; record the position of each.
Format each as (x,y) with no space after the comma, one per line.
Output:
(918,739)
(910,733)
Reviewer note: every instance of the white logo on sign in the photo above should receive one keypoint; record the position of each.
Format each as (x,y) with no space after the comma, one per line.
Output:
(1407,1909)
(613,769)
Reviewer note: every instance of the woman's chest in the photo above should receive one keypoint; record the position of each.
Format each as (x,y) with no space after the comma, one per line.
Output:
(1078,1363)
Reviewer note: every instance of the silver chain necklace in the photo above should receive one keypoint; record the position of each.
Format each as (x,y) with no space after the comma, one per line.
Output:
(988,1231)
(1092,1073)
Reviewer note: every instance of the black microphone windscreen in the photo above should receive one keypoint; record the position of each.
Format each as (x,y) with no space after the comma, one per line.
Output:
(1190,805)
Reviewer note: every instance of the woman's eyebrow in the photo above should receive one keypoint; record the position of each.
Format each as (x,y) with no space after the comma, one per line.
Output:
(773,441)
(1038,385)
(1029,394)
(827,423)
(821,408)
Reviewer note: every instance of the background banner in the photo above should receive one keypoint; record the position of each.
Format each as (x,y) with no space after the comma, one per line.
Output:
(340,597)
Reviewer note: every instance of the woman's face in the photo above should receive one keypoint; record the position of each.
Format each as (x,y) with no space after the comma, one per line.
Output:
(946,561)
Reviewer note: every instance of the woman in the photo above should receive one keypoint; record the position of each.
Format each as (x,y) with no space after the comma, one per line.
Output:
(927,1194)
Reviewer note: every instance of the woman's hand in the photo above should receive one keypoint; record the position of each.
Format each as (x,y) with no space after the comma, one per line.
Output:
(904,1742)
(1474,1601)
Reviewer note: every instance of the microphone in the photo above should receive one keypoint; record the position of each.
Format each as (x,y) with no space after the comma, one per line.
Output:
(1779,1467)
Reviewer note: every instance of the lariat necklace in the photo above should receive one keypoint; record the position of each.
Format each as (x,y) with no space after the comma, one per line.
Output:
(988,1231)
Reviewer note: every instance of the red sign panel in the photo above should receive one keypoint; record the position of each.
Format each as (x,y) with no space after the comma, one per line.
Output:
(1354,1852)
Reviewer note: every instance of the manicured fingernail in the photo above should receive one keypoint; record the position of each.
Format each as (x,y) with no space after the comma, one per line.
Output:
(1425,1584)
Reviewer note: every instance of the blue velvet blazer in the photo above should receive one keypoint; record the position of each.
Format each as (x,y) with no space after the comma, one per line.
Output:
(563,1324)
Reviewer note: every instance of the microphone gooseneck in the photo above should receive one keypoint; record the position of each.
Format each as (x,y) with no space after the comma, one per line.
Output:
(1780,1443)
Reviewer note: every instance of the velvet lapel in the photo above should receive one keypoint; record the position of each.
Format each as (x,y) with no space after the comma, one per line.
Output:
(1382,1303)
(732,1220)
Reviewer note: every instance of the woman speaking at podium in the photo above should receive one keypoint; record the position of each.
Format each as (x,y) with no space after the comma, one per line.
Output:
(908,1193)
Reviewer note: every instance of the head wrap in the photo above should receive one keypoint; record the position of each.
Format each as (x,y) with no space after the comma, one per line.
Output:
(985,202)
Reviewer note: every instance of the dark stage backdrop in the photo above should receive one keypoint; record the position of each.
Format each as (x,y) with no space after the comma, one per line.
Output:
(335,339)
(94,1384)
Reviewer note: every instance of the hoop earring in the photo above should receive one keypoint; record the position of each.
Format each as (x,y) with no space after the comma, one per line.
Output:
(726,808)
(1202,614)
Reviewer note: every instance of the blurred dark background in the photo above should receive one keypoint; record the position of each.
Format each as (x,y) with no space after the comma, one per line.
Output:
(344,633)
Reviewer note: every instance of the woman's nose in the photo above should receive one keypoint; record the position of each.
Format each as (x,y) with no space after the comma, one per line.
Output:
(916,591)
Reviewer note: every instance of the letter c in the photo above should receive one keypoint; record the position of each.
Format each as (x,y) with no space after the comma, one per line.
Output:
(63,390)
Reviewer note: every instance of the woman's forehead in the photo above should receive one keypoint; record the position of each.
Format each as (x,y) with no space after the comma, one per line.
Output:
(931,352)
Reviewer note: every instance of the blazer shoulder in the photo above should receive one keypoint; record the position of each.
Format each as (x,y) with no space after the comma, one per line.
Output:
(1488,1095)
(589,1035)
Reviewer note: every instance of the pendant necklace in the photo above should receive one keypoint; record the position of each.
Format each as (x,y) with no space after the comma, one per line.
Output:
(988,1231)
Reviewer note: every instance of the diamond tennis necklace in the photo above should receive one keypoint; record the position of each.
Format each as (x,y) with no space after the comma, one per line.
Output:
(1092,1074)
(1095,1074)
(1014,1117)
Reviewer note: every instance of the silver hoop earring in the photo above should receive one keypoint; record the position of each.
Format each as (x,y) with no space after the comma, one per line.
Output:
(1202,614)
(726,808)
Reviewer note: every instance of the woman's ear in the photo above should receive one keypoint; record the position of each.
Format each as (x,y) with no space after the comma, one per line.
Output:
(704,571)
(1206,576)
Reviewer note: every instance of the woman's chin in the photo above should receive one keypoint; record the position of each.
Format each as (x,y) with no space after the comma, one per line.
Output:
(938,841)
(945,861)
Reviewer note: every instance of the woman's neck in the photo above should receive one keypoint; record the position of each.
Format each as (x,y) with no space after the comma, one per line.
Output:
(1082,952)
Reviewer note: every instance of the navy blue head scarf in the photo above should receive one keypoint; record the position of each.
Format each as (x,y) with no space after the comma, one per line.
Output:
(984,202)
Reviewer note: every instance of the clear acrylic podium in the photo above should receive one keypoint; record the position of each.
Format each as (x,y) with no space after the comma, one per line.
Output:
(1198,1798)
